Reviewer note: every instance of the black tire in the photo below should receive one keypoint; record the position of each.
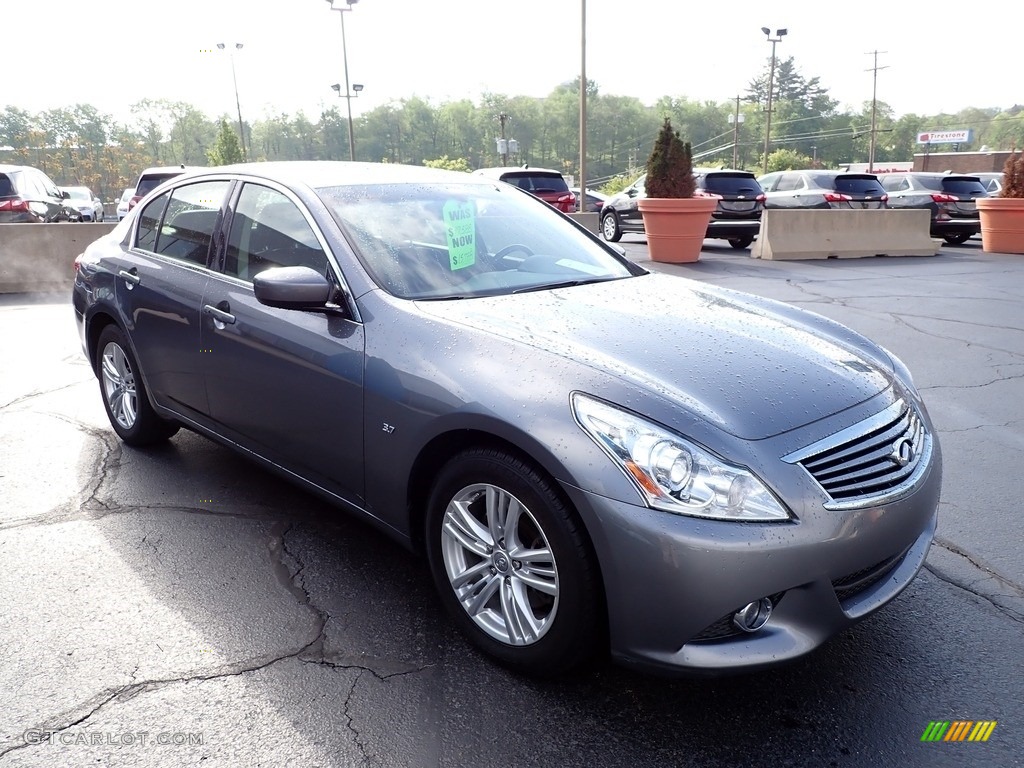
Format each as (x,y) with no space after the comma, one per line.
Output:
(124,393)
(538,615)
(739,243)
(958,239)
(610,229)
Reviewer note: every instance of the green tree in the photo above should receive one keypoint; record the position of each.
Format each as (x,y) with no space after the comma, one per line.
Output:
(227,150)
(449,163)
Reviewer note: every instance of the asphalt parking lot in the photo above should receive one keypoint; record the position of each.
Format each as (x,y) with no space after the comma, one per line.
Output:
(179,606)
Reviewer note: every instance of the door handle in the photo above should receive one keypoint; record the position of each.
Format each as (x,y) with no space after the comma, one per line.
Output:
(130,277)
(220,317)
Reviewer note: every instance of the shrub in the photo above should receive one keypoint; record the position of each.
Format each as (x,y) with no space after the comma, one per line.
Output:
(670,166)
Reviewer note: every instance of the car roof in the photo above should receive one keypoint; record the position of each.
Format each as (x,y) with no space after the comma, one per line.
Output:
(337,173)
(509,169)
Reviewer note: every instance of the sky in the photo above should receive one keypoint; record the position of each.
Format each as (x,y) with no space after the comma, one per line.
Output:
(113,53)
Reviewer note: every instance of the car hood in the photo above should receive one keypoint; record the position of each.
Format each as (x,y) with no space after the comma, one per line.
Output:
(753,367)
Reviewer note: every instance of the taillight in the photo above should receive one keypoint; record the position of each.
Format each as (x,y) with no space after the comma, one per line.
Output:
(566,203)
(133,201)
(760,198)
(885,198)
(14,204)
(78,262)
(942,197)
(836,197)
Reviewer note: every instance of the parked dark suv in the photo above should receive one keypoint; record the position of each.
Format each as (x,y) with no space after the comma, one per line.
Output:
(950,197)
(27,196)
(151,178)
(822,189)
(736,219)
(550,186)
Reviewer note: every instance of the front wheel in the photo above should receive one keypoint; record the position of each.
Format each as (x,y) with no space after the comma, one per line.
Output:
(957,239)
(739,243)
(512,563)
(124,393)
(610,227)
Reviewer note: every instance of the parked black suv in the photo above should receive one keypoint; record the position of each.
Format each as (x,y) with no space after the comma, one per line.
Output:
(949,196)
(27,195)
(736,219)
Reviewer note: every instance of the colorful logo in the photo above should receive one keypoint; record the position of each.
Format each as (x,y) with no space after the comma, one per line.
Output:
(958,730)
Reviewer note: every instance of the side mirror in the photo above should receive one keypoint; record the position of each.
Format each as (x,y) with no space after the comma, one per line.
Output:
(631,192)
(292,288)
(65,195)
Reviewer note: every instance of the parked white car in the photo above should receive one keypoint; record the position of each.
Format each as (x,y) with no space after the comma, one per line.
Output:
(122,204)
(85,202)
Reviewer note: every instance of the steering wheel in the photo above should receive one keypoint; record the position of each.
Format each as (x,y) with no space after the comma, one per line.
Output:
(512,249)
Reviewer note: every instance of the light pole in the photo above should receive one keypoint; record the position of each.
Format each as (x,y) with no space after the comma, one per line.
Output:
(238,104)
(348,94)
(779,34)
(356,88)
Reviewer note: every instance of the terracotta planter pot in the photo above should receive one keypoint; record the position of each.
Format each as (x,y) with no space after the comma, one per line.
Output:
(1002,224)
(675,228)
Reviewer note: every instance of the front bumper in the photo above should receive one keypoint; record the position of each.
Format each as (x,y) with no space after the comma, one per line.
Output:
(673,582)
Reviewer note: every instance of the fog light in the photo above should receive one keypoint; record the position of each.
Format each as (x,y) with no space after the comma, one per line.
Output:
(753,616)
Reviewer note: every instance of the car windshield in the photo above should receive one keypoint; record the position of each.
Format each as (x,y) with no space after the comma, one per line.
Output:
(458,240)
(965,187)
(77,193)
(858,185)
(732,184)
(537,182)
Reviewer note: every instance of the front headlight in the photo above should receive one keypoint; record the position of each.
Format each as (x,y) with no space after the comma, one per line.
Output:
(673,474)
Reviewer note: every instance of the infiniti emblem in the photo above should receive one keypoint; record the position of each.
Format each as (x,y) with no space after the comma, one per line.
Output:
(902,452)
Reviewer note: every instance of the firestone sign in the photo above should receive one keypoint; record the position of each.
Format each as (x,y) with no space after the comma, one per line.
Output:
(945,137)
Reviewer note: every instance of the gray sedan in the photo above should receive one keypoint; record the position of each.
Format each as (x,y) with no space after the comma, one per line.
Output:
(592,459)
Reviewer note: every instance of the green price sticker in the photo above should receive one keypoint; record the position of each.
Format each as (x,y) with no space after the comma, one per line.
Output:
(460,229)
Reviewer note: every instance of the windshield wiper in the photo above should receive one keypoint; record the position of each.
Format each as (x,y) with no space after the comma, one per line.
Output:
(563,284)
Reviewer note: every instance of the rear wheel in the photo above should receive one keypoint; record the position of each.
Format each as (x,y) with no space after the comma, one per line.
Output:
(512,564)
(124,393)
(610,227)
(958,238)
(739,243)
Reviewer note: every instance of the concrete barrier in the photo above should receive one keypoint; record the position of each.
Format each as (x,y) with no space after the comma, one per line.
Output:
(588,219)
(40,257)
(844,234)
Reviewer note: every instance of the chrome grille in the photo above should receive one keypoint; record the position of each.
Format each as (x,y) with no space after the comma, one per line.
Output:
(878,459)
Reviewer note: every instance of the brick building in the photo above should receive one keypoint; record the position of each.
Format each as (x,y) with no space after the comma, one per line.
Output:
(960,162)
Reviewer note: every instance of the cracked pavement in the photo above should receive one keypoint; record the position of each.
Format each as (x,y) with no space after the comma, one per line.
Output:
(182,594)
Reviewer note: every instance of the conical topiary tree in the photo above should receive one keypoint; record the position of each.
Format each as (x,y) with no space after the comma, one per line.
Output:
(1013,176)
(670,166)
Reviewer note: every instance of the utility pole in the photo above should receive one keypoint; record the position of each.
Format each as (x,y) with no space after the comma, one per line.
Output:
(736,134)
(503,144)
(874,105)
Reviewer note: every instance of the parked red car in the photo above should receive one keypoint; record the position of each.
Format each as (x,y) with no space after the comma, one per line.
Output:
(548,185)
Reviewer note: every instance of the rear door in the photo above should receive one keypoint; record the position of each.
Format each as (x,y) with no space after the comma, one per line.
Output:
(161,278)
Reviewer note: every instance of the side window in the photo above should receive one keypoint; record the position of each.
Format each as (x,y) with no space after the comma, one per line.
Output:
(788,182)
(269,230)
(149,222)
(191,217)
